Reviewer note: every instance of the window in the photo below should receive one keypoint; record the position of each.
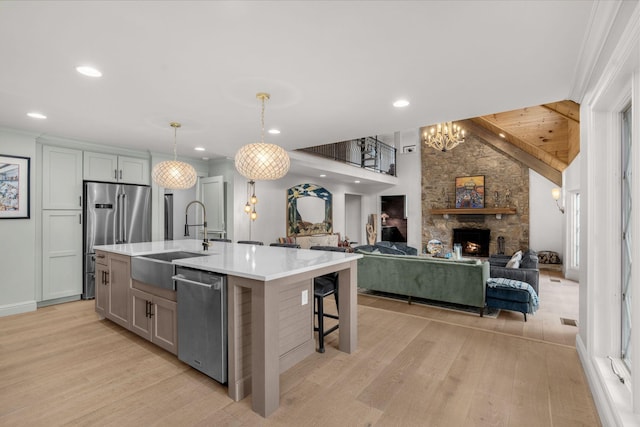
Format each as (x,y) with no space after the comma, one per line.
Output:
(626,209)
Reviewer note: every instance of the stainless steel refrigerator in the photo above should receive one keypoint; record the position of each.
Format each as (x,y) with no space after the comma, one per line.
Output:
(114,213)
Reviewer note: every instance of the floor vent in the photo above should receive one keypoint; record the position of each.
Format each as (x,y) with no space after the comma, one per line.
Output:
(556,280)
(568,322)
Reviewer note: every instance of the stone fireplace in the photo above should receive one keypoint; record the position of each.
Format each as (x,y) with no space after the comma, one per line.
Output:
(474,241)
(503,175)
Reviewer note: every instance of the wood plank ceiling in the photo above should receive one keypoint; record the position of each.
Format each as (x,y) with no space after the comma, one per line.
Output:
(546,138)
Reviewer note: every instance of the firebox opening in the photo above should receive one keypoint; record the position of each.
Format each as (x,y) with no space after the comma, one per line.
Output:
(474,241)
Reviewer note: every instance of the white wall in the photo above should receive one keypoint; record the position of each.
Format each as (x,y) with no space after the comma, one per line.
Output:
(409,172)
(353,226)
(17,237)
(546,222)
(272,207)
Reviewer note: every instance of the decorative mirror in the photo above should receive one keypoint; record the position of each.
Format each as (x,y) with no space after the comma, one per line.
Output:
(309,210)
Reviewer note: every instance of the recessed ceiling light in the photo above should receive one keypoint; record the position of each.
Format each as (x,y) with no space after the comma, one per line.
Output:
(501,135)
(401,103)
(88,71)
(356,181)
(35,115)
(322,175)
(274,131)
(199,148)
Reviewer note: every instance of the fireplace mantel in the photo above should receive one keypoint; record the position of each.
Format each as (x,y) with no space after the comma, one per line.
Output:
(498,212)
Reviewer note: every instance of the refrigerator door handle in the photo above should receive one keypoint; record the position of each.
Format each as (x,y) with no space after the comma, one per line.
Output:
(124,218)
(121,209)
(118,219)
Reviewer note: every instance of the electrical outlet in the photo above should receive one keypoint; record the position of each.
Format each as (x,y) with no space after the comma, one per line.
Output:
(305,297)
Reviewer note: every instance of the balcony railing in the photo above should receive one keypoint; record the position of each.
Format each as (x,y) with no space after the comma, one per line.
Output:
(369,153)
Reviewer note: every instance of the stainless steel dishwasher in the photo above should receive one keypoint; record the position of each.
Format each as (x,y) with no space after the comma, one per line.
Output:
(202,321)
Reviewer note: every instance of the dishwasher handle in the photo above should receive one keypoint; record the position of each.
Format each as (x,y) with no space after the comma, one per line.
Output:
(180,278)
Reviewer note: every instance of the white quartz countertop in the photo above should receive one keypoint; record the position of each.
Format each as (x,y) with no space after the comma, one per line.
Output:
(250,261)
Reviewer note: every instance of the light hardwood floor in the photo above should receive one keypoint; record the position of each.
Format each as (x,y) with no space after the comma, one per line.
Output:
(415,366)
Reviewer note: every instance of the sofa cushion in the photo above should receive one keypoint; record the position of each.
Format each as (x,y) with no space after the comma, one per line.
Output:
(529,259)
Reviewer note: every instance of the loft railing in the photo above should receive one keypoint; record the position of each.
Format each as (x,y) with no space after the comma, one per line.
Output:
(369,153)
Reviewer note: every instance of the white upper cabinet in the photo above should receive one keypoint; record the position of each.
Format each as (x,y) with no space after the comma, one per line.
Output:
(134,170)
(61,178)
(112,168)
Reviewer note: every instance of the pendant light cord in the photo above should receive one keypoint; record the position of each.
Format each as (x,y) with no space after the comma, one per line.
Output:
(262,121)
(175,143)
(175,126)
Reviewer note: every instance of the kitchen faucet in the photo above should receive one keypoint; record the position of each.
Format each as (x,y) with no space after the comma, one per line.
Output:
(205,242)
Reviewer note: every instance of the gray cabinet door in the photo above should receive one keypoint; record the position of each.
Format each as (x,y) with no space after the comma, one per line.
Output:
(212,196)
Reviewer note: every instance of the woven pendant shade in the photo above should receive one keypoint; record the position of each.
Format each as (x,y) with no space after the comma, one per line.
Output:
(174,175)
(262,161)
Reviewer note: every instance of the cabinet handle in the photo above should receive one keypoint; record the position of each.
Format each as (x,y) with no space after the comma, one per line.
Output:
(80,201)
(120,173)
(150,310)
(106,277)
(146,309)
(79,218)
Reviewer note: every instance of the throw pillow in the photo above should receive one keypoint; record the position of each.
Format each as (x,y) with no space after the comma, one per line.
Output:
(514,262)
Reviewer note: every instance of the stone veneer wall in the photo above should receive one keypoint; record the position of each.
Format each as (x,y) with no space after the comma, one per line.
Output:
(502,174)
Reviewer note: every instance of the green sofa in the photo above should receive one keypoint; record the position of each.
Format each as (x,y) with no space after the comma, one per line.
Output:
(458,282)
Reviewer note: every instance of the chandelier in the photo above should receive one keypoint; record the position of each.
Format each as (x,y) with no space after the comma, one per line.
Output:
(173,174)
(444,136)
(260,161)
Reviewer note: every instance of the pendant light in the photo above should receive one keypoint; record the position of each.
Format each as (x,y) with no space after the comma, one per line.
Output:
(174,174)
(260,161)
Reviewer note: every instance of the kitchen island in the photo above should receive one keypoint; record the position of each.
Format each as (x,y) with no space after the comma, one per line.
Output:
(270,307)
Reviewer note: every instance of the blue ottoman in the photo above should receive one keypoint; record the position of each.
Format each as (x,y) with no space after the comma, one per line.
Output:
(511,295)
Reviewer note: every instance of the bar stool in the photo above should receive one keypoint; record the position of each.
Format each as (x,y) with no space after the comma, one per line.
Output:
(286,245)
(250,242)
(323,286)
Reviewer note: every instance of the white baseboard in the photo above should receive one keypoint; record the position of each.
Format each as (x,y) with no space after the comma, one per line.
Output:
(58,301)
(22,307)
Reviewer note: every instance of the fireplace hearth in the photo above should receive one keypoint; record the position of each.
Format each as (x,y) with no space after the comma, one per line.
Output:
(474,241)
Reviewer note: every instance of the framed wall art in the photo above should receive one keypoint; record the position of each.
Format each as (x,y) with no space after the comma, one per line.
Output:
(470,192)
(14,187)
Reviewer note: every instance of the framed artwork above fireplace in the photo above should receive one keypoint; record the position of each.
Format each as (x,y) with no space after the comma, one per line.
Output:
(470,192)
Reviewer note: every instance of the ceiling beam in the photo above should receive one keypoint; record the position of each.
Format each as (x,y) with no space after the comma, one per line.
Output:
(525,146)
(567,109)
(473,127)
